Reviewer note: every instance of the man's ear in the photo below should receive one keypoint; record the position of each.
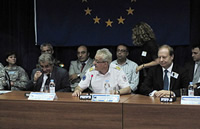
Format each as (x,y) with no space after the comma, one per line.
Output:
(127,53)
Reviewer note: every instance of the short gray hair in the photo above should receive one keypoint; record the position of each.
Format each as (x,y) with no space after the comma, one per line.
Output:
(45,57)
(105,54)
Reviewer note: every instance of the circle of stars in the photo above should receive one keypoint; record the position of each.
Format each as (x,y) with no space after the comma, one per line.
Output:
(109,22)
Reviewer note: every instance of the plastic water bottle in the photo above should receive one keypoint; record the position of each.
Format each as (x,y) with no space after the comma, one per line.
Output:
(107,87)
(190,89)
(52,86)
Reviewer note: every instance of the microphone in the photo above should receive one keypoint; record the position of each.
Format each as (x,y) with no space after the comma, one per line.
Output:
(7,77)
(168,99)
(88,96)
(90,84)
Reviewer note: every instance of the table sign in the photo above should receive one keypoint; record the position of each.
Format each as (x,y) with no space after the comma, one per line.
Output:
(42,96)
(105,98)
(4,91)
(190,100)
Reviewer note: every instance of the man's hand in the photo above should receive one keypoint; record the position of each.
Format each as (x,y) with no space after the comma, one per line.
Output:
(76,93)
(37,75)
(163,93)
(73,76)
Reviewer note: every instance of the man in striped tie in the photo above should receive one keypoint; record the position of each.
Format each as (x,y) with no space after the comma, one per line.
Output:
(166,77)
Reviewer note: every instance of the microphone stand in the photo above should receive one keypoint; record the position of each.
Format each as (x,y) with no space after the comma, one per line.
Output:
(168,99)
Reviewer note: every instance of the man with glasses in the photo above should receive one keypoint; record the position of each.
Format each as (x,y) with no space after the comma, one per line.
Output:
(78,67)
(101,73)
(48,48)
(128,66)
(41,76)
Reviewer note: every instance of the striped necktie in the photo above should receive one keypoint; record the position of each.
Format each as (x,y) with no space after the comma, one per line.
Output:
(166,80)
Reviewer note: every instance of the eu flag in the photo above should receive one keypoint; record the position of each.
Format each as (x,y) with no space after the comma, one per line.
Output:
(110,22)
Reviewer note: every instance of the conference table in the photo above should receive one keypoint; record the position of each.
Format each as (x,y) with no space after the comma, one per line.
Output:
(131,112)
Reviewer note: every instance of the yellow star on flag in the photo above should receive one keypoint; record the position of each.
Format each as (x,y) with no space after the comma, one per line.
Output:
(130,11)
(88,11)
(84,1)
(120,20)
(96,20)
(109,23)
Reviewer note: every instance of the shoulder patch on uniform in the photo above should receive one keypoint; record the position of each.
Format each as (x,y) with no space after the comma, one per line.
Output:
(91,69)
(117,67)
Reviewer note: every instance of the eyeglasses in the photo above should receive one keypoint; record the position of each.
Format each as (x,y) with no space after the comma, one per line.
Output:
(98,62)
(121,50)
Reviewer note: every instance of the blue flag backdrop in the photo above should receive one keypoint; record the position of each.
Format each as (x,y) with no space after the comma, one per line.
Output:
(110,22)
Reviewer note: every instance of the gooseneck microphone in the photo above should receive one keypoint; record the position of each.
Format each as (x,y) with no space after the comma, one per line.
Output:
(168,99)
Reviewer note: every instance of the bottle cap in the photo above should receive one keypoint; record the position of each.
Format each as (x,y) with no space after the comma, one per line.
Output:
(107,81)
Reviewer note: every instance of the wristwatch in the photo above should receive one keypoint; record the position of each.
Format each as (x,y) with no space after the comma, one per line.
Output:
(118,92)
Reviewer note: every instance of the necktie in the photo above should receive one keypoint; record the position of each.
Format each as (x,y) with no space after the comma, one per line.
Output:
(166,80)
(83,65)
(196,74)
(48,80)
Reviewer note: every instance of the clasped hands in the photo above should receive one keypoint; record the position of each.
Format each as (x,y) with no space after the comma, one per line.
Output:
(163,93)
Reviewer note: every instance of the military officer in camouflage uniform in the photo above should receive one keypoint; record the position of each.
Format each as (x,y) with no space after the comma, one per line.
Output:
(18,76)
(2,77)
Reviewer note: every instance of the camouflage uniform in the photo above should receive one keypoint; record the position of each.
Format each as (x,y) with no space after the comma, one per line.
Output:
(2,77)
(18,76)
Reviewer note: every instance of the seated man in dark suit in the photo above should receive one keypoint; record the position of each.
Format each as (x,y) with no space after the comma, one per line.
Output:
(164,77)
(48,48)
(193,68)
(47,71)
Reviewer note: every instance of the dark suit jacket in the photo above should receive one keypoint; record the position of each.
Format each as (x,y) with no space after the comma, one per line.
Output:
(189,66)
(154,80)
(60,76)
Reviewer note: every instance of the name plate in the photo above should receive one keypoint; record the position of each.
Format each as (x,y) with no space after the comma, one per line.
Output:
(105,98)
(190,100)
(4,91)
(42,96)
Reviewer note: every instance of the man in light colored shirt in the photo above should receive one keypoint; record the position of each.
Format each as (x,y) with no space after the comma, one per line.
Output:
(193,68)
(103,72)
(164,77)
(128,66)
(196,59)
(78,67)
